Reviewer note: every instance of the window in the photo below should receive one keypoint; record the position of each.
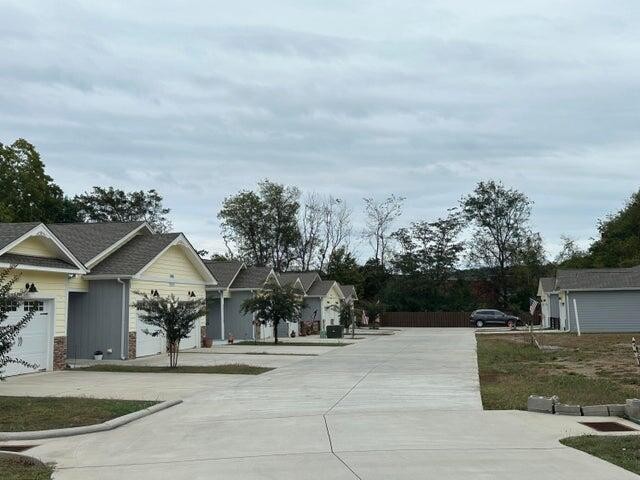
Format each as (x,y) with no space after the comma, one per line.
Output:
(33,306)
(10,307)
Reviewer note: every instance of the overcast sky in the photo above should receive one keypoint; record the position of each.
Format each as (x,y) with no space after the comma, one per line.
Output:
(352,98)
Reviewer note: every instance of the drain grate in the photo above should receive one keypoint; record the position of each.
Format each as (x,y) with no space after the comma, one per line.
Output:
(608,426)
(15,448)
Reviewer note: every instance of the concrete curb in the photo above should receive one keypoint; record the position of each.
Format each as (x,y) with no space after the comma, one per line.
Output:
(100,427)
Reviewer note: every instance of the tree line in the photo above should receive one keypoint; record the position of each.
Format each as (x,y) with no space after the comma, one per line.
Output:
(482,252)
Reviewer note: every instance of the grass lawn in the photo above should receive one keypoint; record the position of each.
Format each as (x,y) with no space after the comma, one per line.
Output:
(19,414)
(588,370)
(235,369)
(293,344)
(17,469)
(623,451)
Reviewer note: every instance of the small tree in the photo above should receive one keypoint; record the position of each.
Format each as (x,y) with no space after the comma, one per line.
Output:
(275,304)
(347,316)
(9,301)
(171,317)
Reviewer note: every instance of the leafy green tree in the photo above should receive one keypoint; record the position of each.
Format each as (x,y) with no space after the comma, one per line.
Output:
(275,304)
(430,249)
(501,238)
(619,241)
(115,205)
(262,227)
(344,269)
(27,193)
(374,279)
(9,300)
(170,317)
(346,314)
(571,255)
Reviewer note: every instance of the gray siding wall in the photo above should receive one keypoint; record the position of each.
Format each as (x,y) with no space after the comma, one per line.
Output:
(311,304)
(213,316)
(95,320)
(236,323)
(554,305)
(605,311)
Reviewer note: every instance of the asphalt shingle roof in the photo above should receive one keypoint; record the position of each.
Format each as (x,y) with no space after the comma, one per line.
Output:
(223,271)
(86,240)
(15,259)
(320,288)
(601,278)
(306,278)
(348,290)
(12,231)
(288,278)
(134,255)
(548,284)
(251,277)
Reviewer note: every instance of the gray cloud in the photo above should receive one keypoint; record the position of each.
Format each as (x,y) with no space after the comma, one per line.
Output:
(350,98)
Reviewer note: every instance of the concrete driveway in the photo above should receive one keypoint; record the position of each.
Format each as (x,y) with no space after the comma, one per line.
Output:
(405,406)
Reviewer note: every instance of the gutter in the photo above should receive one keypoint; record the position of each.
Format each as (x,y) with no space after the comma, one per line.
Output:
(124,344)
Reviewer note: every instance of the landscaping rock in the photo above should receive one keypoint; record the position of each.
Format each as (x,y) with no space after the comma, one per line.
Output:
(541,404)
(595,411)
(616,410)
(563,409)
(632,409)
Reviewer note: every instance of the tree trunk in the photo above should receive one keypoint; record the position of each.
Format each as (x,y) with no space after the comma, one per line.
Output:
(275,331)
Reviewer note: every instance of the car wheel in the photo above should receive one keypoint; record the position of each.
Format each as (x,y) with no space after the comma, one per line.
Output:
(511,323)
(479,323)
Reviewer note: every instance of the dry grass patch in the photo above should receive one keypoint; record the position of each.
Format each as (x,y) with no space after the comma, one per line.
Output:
(591,369)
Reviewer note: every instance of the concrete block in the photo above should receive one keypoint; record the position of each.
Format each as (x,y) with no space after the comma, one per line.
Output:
(562,409)
(595,411)
(541,404)
(616,410)
(632,409)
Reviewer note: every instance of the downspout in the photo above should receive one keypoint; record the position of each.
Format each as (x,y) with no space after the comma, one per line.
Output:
(124,347)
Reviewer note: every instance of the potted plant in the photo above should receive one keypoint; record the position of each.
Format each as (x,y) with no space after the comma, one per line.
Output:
(208,342)
(97,355)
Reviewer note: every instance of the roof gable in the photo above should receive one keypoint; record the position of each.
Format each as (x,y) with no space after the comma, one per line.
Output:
(140,253)
(321,288)
(92,242)
(253,278)
(224,271)
(26,245)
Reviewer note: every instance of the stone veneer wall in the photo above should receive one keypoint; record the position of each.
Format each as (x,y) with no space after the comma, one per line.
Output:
(59,353)
(131,354)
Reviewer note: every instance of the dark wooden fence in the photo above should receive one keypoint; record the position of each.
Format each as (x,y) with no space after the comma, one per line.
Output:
(436,319)
(426,319)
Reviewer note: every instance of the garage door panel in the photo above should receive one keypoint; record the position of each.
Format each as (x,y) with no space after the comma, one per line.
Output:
(33,341)
(147,344)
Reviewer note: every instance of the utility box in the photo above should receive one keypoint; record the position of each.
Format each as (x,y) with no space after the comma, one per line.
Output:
(334,331)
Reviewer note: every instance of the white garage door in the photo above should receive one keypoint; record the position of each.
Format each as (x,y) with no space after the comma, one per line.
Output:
(33,342)
(193,340)
(147,344)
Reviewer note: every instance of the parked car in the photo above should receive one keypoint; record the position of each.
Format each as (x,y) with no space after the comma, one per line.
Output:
(481,318)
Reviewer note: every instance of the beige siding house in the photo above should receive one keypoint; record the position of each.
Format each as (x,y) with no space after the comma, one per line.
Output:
(44,266)
(83,279)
